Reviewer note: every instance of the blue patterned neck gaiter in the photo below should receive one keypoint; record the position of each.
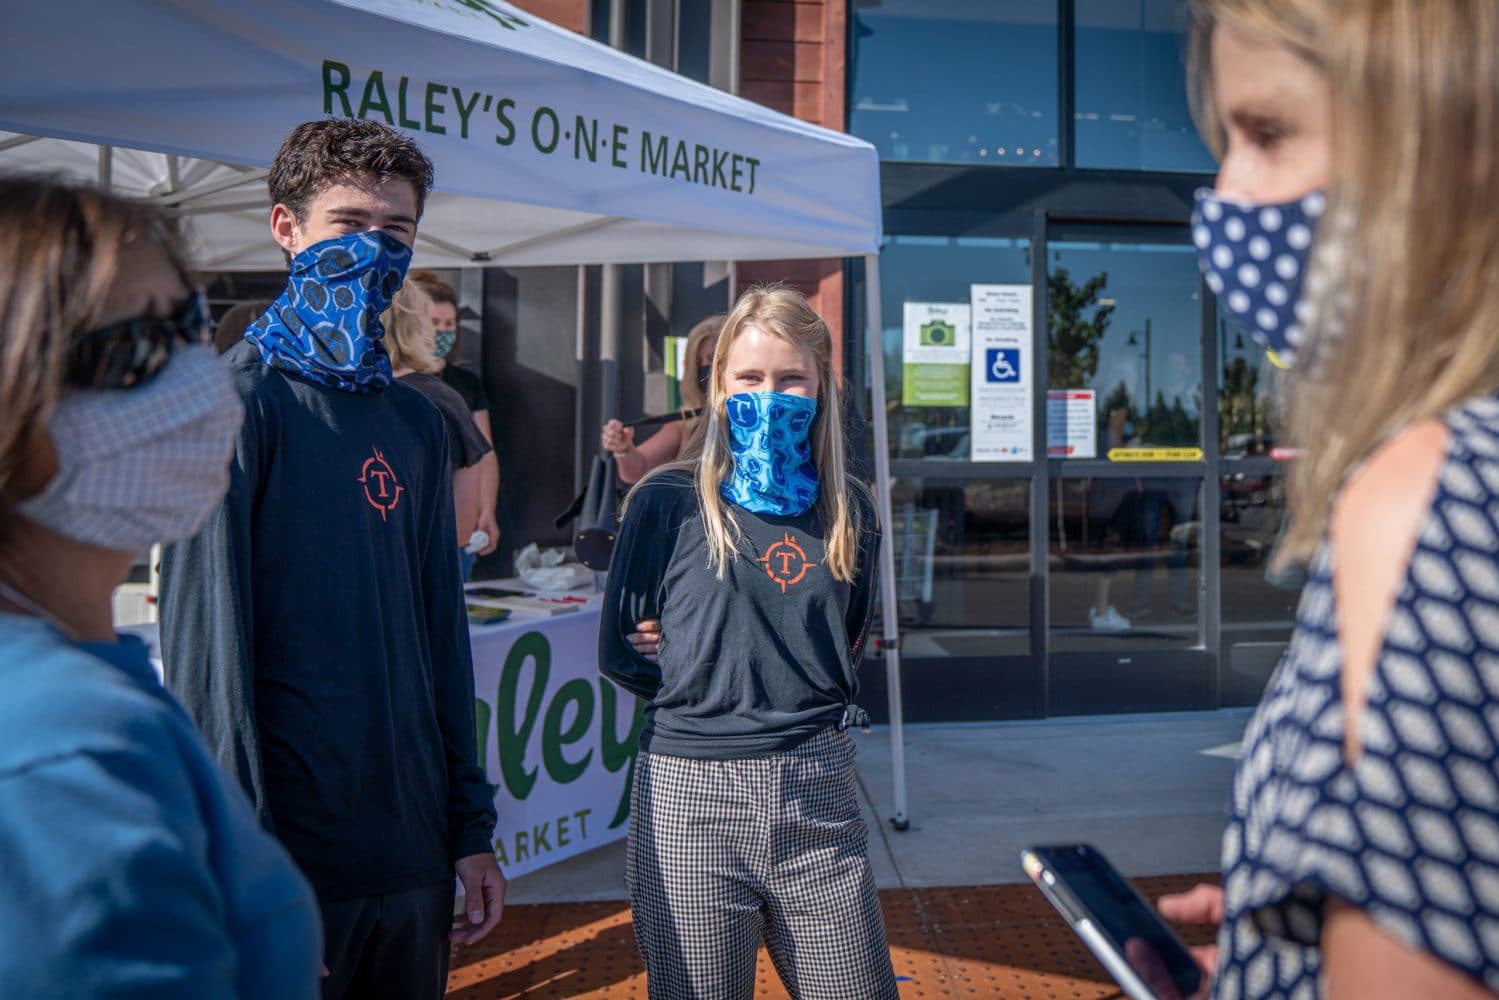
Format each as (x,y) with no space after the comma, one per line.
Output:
(326,326)
(773,471)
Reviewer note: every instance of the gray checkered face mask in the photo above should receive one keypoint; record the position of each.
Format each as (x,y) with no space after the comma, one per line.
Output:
(143,465)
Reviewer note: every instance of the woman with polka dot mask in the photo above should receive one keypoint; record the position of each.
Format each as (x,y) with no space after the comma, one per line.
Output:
(1352,230)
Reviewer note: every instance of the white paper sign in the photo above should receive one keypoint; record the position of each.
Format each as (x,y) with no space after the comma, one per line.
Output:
(1071,424)
(1001,404)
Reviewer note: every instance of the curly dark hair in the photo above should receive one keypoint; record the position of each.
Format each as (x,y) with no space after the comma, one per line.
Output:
(318,154)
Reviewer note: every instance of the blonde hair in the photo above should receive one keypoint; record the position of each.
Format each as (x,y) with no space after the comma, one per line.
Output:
(707,329)
(61,247)
(784,312)
(1404,281)
(410,336)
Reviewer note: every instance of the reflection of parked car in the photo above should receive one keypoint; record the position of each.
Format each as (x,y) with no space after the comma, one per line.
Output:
(1248,446)
(917,440)
(1248,534)
(1240,489)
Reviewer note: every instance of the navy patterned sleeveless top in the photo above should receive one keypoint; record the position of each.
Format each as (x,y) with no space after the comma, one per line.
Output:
(1410,833)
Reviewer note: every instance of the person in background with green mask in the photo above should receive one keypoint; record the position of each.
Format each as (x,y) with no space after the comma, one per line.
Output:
(471,387)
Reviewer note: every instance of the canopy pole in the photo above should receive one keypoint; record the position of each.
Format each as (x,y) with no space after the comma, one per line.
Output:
(106,169)
(889,641)
(580,406)
(610,290)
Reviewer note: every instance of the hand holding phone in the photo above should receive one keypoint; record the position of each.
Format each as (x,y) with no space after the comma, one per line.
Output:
(1119,927)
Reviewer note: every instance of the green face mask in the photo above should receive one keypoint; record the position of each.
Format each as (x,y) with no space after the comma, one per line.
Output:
(445,339)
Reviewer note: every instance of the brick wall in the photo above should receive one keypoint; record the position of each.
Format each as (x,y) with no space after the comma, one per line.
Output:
(569,14)
(792,60)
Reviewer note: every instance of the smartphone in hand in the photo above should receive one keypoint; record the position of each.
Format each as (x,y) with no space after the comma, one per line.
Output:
(1120,928)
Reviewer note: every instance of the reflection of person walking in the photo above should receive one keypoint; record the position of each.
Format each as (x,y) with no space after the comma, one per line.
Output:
(758,561)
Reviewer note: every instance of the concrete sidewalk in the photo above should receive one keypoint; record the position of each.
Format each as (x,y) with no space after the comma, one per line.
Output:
(1148,790)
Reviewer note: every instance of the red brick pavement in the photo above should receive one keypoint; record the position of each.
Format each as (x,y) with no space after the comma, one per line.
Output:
(983,941)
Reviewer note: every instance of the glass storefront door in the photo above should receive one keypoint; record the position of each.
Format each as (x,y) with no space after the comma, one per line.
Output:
(1121,567)
(1125,508)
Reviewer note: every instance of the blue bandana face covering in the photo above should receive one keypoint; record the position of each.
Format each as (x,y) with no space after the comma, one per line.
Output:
(1254,258)
(444,340)
(768,434)
(326,326)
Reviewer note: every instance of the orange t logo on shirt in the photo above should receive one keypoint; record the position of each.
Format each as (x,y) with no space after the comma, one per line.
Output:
(786,562)
(380,486)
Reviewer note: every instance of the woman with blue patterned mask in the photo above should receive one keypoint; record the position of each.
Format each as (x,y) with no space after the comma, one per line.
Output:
(1352,232)
(737,605)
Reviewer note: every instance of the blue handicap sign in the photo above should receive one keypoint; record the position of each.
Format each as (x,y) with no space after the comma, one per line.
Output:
(1002,364)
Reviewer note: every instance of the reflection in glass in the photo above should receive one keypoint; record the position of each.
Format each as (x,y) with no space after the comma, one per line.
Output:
(936,269)
(1252,508)
(1248,415)
(1123,321)
(1257,613)
(962,565)
(1132,111)
(1124,562)
(953,81)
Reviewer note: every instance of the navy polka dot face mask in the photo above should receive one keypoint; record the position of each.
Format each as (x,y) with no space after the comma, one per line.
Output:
(1254,258)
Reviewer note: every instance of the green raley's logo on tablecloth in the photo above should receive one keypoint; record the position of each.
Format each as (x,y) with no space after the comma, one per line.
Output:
(445,109)
(938,333)
(567,720)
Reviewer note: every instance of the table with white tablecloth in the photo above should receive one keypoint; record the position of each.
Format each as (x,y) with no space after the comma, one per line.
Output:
(556,738)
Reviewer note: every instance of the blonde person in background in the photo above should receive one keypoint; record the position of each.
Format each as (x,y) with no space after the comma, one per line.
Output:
(1352,229)
(409,337)
(448,341)
(669,443)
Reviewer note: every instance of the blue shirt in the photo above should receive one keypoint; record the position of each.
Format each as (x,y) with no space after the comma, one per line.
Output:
(129,865)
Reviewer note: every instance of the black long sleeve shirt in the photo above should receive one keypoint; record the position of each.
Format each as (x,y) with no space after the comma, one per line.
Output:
(749,665)
(315,631)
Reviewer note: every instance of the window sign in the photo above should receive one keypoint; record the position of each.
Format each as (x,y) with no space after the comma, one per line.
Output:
(675,351)
(1002,379)
(1071,423)
(936,354)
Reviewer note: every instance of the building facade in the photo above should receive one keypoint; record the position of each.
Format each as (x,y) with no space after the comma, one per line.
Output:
(1083,513)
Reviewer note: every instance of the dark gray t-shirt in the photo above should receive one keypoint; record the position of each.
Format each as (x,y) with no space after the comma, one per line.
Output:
(466,443)
(752,664)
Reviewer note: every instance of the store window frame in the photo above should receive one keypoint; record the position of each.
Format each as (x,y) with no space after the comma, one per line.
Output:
(1113,206)
(1066,84)
(1048,228)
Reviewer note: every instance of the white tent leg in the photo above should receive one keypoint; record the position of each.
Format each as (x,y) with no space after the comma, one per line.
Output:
(890,639)
(106,169)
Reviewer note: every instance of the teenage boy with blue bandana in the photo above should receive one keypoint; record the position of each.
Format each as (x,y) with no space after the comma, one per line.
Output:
(315,628)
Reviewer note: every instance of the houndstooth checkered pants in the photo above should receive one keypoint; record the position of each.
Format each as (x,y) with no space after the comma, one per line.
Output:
(725,852)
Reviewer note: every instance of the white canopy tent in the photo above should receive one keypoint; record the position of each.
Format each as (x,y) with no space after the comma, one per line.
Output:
(549,148)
